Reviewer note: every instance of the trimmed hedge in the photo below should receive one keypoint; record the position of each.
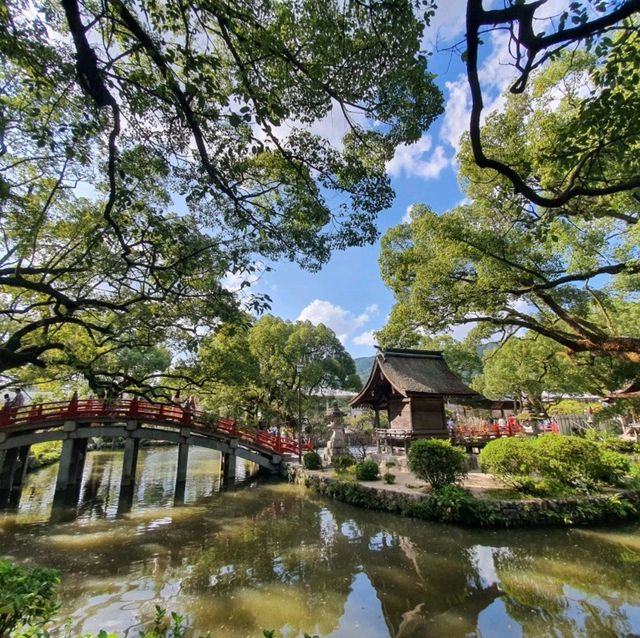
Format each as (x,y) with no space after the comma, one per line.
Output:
(311,461)
(367,471)
(437,462)
(562,461)
(507,458)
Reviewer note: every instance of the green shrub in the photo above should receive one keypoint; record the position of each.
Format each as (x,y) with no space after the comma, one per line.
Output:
(367,471)
(612,442)
(343,462)
(27,596)
(571,460)
(612,467)
(623,446)
(437,462)
(311,461)
(507,458)
(389,478)
(538,486)
(635,476)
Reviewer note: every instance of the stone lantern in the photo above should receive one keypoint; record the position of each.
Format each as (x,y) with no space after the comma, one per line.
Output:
(337,445)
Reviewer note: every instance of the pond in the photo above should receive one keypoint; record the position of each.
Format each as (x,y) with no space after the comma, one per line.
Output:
(273,555)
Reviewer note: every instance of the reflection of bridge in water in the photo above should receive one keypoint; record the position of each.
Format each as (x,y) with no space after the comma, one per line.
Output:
(75,422)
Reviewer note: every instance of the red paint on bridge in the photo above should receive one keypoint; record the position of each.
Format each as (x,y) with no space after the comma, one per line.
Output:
(47,414)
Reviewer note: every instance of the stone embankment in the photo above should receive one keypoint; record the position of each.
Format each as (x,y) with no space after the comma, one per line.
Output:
(456,505)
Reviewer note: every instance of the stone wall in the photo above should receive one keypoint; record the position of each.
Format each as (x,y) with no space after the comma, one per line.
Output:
(454,505)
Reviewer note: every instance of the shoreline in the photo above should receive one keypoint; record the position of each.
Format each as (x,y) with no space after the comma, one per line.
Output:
(461,507)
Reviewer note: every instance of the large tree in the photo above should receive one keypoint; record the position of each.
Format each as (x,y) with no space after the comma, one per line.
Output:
(527,367)
(110,110)
(569,274)
(255,370)
(586,164)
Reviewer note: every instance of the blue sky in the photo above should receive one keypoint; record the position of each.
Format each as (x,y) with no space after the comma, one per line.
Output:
(348,294)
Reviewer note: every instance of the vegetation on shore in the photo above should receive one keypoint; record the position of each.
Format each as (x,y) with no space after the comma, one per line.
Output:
(555,480)
(43,454)
(29,601)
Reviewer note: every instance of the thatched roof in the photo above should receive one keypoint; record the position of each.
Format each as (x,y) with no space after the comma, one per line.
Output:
(411,373)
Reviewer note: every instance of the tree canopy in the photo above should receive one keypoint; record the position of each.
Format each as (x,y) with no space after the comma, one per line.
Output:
(603,125)
(149,148)
(255,370)
(569,274)
(533,368)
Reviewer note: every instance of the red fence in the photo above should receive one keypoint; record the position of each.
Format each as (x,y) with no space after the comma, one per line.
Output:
(43,414)
(482,433)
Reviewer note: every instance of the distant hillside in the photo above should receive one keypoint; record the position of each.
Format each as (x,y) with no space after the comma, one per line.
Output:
(363,367)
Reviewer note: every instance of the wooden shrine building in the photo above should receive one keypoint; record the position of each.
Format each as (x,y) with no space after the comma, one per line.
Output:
(412,386)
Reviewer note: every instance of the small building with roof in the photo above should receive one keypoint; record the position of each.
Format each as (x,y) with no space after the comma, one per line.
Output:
(412,387)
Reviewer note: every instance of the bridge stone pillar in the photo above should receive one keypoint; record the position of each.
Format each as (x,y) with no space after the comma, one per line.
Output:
(72,458)
(181,473)
(130,462)
(23,466)
(8,473)
(229,466)
(128,478)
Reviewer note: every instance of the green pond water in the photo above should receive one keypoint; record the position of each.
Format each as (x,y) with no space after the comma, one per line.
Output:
(272,555)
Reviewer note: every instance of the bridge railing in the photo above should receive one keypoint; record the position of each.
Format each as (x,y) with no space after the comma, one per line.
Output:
(138,409)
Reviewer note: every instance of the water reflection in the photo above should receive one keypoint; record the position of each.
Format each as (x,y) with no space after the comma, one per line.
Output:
(277,557)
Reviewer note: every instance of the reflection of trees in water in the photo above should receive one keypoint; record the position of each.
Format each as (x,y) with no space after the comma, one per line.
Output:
(274,555)
(298,541)
(579,586)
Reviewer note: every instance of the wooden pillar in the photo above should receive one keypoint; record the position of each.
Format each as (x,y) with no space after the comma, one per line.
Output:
(129,462)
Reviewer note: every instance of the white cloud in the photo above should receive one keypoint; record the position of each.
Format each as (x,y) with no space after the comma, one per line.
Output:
(365,339)
(457,110)
(447,25)
(372,310)
(240,284)
(238,281)
(496,74)
(406,218)
(412,160)
(342,322)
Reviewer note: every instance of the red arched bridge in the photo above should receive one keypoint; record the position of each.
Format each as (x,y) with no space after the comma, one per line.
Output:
(74,422)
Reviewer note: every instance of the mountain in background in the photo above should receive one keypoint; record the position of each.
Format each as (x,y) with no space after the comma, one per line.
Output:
(363,367)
